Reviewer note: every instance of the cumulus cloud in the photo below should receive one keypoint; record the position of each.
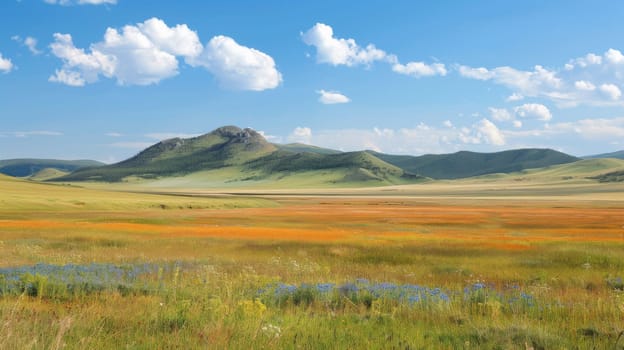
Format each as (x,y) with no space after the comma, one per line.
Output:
(80,2)
(614,56)
(500,114)
(178,40)
(148,53)
(238,67)
(5,64)
(611,91)
(301,134)
(534,110)
(490,133)
(420,69)
(332,97)
(588,80)
(584,85)
(337,51)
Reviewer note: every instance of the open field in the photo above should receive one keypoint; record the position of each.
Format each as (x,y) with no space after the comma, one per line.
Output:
(452,265)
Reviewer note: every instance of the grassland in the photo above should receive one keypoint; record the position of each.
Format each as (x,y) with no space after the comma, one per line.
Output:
(492,263)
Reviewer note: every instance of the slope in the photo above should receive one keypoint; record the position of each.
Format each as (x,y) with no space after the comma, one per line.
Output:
(28,167)
(223,147)
(300,148)
(467,164)
(617,155)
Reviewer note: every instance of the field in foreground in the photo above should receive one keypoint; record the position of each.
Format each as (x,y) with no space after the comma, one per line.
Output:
(85,268)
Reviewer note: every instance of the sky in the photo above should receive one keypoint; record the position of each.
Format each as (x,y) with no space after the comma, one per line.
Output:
(103,79)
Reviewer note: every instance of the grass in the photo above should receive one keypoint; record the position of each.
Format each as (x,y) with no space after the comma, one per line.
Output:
(320,272)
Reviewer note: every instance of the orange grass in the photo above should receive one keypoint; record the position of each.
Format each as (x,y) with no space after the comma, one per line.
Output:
(495,226)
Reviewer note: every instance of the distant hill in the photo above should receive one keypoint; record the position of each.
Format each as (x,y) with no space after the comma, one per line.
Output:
(230,156)
(467,164)
(223,147)
(233,155)
(47,174)
(29,167)
(360,166)
(300,148)
(617,155)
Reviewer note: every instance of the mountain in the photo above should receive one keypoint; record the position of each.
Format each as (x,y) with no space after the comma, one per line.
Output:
(467,164)
(617,155)
(223,147)
(234,156)
(29,167)
(230,156)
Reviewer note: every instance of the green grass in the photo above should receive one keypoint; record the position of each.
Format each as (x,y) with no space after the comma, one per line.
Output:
(206,292)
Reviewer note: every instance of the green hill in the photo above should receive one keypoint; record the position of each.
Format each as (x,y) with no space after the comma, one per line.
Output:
(226,146)
(357,166)
(300,148)
(28,167)
(467,164)
(242,157)
(616,155)
(47,174)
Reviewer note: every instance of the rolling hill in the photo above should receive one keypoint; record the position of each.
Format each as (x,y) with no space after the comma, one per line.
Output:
(29,167)
(230,154)
(468,164)
(617,155)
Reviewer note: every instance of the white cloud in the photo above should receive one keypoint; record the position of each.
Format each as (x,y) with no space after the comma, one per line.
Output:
(517,124)
(270,138)
(148,52)
(480,73)
(31,133)
(71,78)
(339,51)
(178,40)
(113,134)
(332,97)
(420,69)
(584,85)
(238,67)
(448,123)
(29,42)
(614,56)
(576,83)
(80,2)
(301,134)
(515,97)
(5,64)
(490,132)
(611,91)
(500,114)
(534,110)
(598,129)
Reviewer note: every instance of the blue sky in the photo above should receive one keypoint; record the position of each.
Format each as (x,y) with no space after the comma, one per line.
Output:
(102,79)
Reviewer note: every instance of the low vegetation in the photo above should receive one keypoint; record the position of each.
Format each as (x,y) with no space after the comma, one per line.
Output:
(306,272)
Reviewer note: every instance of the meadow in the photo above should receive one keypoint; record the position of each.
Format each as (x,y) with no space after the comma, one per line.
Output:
(427,267)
